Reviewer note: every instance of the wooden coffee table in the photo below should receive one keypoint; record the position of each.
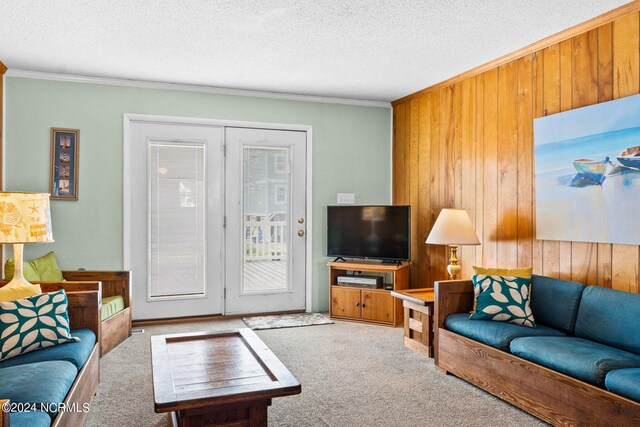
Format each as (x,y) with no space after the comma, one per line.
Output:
(217,378)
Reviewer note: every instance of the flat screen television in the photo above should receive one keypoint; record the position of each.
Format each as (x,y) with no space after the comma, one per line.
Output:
(377,232)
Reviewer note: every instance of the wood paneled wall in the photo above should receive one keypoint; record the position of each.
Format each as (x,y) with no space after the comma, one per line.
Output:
(469,144)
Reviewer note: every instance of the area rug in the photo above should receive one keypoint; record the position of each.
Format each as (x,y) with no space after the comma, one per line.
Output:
(286,321)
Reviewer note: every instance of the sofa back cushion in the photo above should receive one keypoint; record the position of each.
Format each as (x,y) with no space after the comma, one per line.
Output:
(555,302)
(609,317)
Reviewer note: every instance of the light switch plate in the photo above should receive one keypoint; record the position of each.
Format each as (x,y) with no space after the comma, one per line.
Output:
(346,198)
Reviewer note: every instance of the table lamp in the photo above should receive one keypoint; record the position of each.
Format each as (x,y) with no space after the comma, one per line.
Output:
(24,218)
(453,227)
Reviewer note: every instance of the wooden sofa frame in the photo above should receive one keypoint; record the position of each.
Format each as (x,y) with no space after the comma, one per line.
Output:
(117,328)
(84,302)
(549,395)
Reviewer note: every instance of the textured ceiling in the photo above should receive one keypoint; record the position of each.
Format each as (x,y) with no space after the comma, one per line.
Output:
(359,49)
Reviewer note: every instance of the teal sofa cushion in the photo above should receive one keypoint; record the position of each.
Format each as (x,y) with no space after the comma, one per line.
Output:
(73,352)
(29,419)
(625,382)
(605,316)
(555,302)
(42,382)
(577,357)
(494,334)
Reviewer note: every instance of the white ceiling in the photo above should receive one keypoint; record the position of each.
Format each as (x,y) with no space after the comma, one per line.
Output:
(358,49)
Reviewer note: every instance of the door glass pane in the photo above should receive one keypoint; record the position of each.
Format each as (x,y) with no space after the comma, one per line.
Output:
(176,219)
(266,190)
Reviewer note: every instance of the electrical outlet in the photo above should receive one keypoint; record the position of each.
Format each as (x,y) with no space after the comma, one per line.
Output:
(346,198)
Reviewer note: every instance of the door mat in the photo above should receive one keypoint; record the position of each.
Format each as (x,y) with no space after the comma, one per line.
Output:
(286,321)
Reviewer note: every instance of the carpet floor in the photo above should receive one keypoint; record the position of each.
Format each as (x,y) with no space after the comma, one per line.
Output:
(351,374)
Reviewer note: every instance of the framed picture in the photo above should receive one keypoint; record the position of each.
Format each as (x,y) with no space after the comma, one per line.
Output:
(64,164)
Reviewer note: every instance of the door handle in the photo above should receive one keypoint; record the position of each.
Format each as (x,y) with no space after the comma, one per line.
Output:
(300,233)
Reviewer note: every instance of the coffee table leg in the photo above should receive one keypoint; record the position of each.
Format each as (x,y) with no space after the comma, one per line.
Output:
(258,416)
(252,413)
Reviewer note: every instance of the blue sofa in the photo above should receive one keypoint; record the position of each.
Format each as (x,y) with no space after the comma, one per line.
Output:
(42,380)
(579,366)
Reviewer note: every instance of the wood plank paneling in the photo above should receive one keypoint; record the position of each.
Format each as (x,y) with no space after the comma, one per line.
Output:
(524,123)
(469,144)
(423,271)
(507,231)
(479,143)
(490,169)
(468,166)
(412,177)
(438,254)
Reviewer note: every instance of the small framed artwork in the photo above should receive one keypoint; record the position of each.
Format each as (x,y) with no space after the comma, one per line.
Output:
(64,164)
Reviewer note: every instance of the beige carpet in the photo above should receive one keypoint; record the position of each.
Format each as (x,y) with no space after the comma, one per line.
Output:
(351,374)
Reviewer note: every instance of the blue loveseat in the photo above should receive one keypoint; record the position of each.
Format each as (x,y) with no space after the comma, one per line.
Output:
(54,386)
(579,366)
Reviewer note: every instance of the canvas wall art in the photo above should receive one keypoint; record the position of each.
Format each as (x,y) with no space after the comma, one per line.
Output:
(587,173)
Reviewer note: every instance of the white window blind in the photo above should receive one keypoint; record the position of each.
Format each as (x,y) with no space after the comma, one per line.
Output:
(176,219)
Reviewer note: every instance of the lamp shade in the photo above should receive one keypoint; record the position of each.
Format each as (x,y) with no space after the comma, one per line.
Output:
(453,227)
(25,218)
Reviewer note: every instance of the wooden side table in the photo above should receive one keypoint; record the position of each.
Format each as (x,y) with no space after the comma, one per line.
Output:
(418,319)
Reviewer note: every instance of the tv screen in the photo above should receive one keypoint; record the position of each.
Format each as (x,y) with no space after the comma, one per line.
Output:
(380,232)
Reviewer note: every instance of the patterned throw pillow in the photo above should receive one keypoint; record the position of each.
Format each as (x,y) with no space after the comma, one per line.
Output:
(33,323)
(505,299)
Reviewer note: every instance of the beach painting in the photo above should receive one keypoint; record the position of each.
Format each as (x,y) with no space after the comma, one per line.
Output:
(587,173)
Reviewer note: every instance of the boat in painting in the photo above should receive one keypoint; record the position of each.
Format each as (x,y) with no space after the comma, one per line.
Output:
(592,169)
(630,158)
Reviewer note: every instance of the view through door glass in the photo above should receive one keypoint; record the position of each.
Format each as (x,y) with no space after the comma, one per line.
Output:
(266,219)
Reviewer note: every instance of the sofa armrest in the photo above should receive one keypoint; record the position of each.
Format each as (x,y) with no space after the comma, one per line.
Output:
(113,282)
(84,310)
(451,296)
(4,416)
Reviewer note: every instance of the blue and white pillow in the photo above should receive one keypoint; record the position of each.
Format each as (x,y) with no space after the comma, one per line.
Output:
(33,323)
(505,299)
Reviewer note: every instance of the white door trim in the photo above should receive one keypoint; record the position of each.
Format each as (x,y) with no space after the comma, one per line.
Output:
(144,118)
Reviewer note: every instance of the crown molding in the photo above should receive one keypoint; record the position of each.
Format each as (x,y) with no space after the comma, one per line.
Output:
(191,88)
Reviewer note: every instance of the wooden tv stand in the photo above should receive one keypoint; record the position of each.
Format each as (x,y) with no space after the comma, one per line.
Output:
(363,304)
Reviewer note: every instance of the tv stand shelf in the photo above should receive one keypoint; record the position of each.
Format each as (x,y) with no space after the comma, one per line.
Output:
(363,304)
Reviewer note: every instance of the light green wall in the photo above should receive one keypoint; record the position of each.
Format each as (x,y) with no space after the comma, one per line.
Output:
(351,153)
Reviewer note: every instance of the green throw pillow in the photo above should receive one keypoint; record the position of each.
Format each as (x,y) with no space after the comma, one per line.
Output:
(33,323)
(44,268)
(505,299)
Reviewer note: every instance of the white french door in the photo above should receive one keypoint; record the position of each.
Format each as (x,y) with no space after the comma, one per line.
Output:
(266,220)
(176,225)
(209,233)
